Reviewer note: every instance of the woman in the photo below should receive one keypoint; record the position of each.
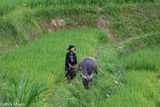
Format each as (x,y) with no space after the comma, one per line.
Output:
(70,63)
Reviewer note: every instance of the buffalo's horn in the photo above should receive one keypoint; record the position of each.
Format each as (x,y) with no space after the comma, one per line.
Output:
(88,77)
(83,76)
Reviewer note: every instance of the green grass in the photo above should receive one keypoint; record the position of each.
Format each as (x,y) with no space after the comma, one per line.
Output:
(145,41)
(8,5)
(140,21)
(23,25)
(147,59)
(109,70)
(140,90)
(140,84)
(129,21)
(42,62)
(35,72)
(21,21)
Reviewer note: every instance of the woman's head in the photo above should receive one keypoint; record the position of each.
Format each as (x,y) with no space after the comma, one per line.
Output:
(71,48)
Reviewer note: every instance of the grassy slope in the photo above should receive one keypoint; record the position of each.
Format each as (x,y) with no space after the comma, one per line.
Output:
(7,6)
(141,86)
(129,21)
(26,22)
(134,21)
(140,90)
(142,22)
(43,61)
(21,24)
(144,59)
(109,69)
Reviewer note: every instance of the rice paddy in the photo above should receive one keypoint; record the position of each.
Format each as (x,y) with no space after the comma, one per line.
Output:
(40,65)
(32,54)
(141,81)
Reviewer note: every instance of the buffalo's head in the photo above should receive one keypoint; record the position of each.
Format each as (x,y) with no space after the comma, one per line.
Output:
(87,80)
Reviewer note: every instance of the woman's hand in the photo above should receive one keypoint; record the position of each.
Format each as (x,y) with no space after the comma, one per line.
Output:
(77,66)
(69,65)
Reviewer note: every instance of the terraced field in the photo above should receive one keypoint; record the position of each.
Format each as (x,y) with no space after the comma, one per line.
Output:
(39,66)
(141,81)
(123,36)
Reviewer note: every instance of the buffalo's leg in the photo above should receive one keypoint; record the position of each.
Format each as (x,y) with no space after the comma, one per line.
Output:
(96,72)
(85,83)
(90,82)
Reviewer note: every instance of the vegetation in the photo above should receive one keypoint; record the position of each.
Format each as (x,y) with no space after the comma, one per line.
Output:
(144,59)
(23,25)
(140,90)
(36,60)
(128,66)
(141,84)
(42,63)
(134,27)
(22,21)
(133,21)
(9,5)
(103,86)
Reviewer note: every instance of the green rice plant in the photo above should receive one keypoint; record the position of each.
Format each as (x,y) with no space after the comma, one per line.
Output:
(27,18)
(109,70)
(25,24)
(146,41)
(147,59)
(140,90)
(140,85)
(129,21)
(43,62)
(7,6)
(40,60)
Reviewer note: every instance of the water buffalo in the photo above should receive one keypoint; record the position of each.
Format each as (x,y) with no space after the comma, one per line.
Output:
(87,66)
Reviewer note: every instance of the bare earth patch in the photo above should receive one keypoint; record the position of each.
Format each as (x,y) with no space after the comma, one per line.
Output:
(104,25)
(56,24)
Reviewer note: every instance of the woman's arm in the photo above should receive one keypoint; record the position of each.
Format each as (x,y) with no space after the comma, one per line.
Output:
(67,61)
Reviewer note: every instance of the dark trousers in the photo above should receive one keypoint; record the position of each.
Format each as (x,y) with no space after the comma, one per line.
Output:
(70,73)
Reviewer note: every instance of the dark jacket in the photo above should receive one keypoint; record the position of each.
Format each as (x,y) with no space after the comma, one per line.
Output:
(71,59)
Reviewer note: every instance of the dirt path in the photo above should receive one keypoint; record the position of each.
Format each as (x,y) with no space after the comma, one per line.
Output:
(134,38)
